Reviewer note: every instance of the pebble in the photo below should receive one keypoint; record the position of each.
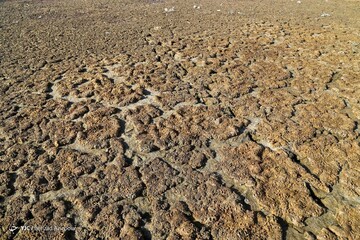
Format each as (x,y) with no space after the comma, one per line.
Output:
(172,9)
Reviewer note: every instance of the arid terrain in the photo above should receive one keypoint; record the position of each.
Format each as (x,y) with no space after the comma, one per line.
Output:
(162,119)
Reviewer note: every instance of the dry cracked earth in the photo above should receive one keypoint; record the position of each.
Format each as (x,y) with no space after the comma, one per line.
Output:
(180,120)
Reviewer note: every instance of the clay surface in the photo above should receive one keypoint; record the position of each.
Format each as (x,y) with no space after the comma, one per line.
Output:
(170,119)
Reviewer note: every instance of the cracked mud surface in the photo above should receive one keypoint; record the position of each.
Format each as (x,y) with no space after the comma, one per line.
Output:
(128,122)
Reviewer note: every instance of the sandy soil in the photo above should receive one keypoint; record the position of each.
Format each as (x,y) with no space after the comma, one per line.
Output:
(185,119)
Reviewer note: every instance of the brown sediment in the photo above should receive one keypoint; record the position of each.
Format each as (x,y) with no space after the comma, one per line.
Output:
(127,121)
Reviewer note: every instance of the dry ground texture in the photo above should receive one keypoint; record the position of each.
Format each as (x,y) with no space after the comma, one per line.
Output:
(180,119)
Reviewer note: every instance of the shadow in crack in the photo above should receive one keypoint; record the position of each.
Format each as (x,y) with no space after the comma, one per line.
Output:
(284,227)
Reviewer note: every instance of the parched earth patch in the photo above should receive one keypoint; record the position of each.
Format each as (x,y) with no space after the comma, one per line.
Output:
(248,132)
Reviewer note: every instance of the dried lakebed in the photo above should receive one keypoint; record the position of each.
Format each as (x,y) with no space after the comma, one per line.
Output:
(246,130)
